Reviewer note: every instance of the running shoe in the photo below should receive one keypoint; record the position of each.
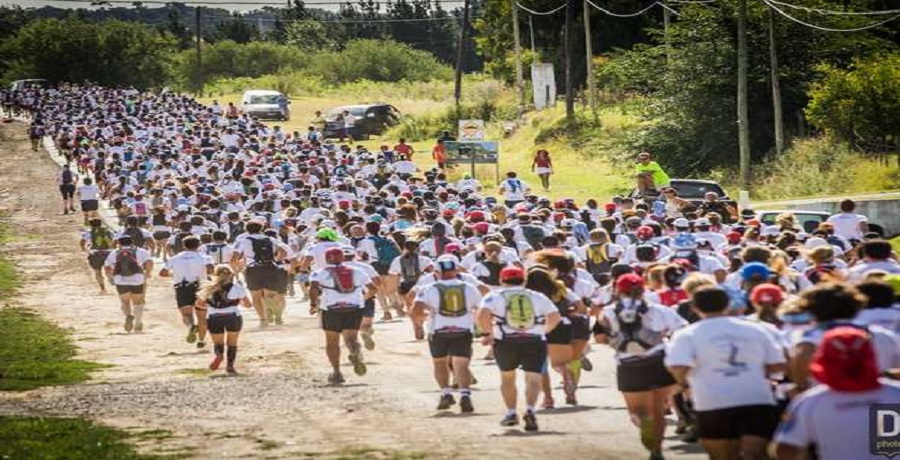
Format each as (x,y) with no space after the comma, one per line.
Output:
(570,400)
(216,362)
(367,340)
(690,434)
(386,316)
(510,420)
(279,320)
(656,456)
(231,370)
(129,323)
(138,327)
(192,335)
(359,367)
(586,364)
(465,404)
(445,402)
(335,378)
(548,403)
(530,421)
(201,344)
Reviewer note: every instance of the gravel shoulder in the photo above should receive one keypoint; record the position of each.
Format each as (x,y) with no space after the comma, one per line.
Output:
(280,407)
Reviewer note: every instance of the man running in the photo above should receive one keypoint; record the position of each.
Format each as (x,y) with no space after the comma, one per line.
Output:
(130,267)
(187,269)
(66,181)
(519,320)
(265,280)
(98,241)
(450,303)
(339,292)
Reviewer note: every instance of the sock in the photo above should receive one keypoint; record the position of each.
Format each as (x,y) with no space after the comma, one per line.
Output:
(510,412)
(232,354)
(219,349)
(446,391)
(529,409)
(139,313)
(465,392)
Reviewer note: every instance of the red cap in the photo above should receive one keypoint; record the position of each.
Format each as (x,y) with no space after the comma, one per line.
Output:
(644,232)
(512,273)
(767,293)
(448,213)
(733,237)
(609,207)
(627,282)
(558,216)
(845,360)
(559,204)
(482,228)
(476,216)
(344,204)
(451,248)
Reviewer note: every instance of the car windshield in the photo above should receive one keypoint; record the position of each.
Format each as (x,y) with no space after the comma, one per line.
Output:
(696,189)
(264,99)
(355,111)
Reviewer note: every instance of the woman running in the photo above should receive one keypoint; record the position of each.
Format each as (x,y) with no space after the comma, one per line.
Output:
(221,299)
(543,167)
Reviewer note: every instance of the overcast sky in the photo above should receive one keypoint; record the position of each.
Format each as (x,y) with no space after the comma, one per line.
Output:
(40,3)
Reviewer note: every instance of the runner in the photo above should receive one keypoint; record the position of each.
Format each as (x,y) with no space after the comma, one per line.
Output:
(98,241)
(365,328)
(220,299)
(187,270)
(518,320)
(339,292)
(66,181)
(266,282)
(89,195)
(543,167)
(130,267)
(450,304)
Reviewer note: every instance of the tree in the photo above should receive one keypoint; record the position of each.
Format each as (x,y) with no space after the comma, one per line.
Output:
(860,104)
(238,30)
(309,36)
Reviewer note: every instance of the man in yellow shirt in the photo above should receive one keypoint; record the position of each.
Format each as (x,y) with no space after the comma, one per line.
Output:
(649,174)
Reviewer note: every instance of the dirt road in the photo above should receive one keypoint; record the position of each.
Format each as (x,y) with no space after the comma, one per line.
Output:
(280,407)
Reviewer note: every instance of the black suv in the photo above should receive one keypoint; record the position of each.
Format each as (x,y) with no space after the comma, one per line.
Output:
(370,119)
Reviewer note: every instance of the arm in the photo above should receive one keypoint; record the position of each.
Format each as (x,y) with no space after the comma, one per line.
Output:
(799,365)
(551,322)
(789,452)
(484,319)
(315,291)
(679,373)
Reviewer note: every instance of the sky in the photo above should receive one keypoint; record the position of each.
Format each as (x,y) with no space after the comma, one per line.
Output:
(40,3)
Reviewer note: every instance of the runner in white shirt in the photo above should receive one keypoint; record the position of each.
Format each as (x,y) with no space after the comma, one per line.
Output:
(266,281)
(221,299)
(338,292)
(513,189)
(835,416)
(89,195)
(519,320)
(130,267)
(365,327)
(450,304)
(847,224)
(726,361)
(187,270)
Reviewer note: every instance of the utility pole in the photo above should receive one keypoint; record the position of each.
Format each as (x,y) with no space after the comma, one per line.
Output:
(199,27)
(463,31)
(589,52)
(667,16)
(777,114)
(520,79)
(742,109)
(570,93)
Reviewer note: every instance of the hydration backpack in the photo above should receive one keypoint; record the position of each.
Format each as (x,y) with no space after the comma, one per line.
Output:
(598,260)
(689,255)
(386,249)
(220,299)
(263,251)
(127,263)
(519,312)
(343,279)
(235,229)
(453,300)
(533,235)
(632,336)
(216,252)
(137,236)
(101,238)
(493,277)
(67,177)
(409,267)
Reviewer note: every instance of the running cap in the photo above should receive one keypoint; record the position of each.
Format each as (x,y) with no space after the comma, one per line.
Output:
(845,360)
(627,282)
(512,273)
(755,270)
(327,234)
(446,263)
(767,293)
(681,222)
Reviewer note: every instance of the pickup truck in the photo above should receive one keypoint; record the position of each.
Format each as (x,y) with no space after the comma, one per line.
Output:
(694,190)
(809,220)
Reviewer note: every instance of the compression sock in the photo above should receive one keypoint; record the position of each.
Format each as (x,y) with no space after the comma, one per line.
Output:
(219,349)
(232,354)
(139,313)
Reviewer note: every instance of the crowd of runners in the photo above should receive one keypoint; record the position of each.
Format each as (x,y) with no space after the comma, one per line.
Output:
(717,320)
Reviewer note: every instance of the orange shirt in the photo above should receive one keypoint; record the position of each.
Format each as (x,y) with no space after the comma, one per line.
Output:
(439,153)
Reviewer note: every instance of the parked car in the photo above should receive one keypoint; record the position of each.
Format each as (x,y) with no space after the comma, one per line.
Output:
(19,85)
(808,220)
(695,190)
(371,119)
(266,104)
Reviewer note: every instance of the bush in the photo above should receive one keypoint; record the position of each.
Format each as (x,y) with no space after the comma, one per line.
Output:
(378,60)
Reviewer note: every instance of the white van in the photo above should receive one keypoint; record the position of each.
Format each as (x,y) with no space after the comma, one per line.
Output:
(19,85)
(266,104)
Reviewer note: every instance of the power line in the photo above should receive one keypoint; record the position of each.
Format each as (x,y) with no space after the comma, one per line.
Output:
(335,21)
(829,29)
(628,15)
(836,13)
(540,13)
(223,2)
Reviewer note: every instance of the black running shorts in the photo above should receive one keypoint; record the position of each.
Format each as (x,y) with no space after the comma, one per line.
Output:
(643,374)
(342,320)
(734,422)
(89,205)
(406,286)
(560,335)
(456,344)
(97,258)
(581,328)
(186,295)
(218,324)
(531,356)
(67,191)
(368,310)
(268,277)
(129,289)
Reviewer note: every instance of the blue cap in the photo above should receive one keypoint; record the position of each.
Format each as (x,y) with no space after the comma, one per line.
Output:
(756,270)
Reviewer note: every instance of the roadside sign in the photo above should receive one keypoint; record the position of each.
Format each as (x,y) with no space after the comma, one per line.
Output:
(471,130)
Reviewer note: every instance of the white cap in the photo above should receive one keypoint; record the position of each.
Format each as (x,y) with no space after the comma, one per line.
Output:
(681,222)
(771,230)
(814,242)
(702,222)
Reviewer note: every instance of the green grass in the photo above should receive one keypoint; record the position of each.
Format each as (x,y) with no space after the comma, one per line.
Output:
(39,438)
(35,353)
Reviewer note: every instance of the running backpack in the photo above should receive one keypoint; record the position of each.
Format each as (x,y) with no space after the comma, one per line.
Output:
(136,235)
(386,249)
(689,255)
(533,235)
(440,242)
(216,252)
(598,260)
(632,336)
(140,208)
(178,244)
(220,298)
(263,251)
(409,267)
(127,263)
(453,300)
(67,177)
(234,230)
(101,238)
(519,312)
(493,276)
(343,279)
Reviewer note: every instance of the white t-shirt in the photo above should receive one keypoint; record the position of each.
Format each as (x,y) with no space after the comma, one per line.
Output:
(727,357)
(88,192)
(237,292)
(888,318)
(317,252)
(508,325)
(430,295)
(219,253)
(514,189)
(886,343)
(188,266)
(836,422)
(141,255)
(396,269)
(657,319)
(331,297)
(846,225)
(244,246)
(858,272)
